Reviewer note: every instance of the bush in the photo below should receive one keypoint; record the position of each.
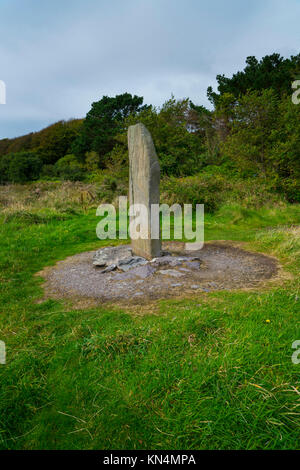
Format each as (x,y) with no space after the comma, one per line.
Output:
(48,171)
(92,161)
(68,168)
(290,188)
(20,167)
(216,189)
(180,151)
(204,189)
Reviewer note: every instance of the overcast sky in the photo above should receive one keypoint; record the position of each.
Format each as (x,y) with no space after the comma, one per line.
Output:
(58,56)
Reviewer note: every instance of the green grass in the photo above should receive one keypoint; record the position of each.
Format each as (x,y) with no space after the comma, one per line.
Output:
(209,372)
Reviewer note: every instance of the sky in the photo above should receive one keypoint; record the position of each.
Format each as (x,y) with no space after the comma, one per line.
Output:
(59,56)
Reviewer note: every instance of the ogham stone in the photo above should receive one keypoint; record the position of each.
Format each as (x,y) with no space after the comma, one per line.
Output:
(144,179)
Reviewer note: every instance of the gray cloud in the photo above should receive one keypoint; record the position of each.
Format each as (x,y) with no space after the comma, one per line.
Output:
(59,56)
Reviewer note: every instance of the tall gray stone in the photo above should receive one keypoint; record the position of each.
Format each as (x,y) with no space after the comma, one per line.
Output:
(144,178)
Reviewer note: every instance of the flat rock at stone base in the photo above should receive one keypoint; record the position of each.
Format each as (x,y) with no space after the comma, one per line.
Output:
(110,268)
(166,260)
(173,261)
(111,255)
(171,272)
(143,271)
(120,258)
(194,264)
(131,262)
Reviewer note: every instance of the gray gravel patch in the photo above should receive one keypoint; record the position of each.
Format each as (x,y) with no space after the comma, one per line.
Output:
(218,266)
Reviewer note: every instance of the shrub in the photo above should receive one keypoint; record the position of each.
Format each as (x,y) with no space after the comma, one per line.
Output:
(20,167)
(48,171)
(68,168)
(201,189)
(214,189)
(92,161)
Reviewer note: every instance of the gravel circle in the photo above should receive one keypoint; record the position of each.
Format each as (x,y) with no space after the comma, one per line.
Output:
(221,266)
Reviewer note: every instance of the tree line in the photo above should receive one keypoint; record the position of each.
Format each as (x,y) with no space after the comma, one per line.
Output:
(252,130)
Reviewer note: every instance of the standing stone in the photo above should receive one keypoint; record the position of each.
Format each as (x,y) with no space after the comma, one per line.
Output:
(144,177)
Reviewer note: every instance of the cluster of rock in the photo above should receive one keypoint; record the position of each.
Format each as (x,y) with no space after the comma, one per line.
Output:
(121,258)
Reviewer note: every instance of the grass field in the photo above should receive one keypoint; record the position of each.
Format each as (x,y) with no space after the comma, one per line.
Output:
(209,372)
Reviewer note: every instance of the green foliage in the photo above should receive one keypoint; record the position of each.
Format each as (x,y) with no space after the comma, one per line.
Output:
(92,161)
(253,131)
(264,139)
(20,167)
(206,189)
(50,144)
(48,172)
(285,153)
(103,122)
(251,137)
(118,157)
(180,150)
(216,187)
(271,72)
(68,168)
(56,141)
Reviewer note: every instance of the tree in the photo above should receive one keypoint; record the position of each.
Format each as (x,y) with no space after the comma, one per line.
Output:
(50,144)
(103,122)
(179,148)
(68,168)
(271,72)
(92,161)
(55,141)
(285,153)
(20,167)
(252,131)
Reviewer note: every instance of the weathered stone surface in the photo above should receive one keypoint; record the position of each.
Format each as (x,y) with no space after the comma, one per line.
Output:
(194,264)
(119,276)
(171,272)
(144,178)
(111,255)
(110,268)
(174,261)
(166,260)
(132,262)
(120,258)
(144,271)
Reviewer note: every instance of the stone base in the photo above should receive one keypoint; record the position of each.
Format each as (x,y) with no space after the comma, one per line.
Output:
(121,258)
(118,276)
